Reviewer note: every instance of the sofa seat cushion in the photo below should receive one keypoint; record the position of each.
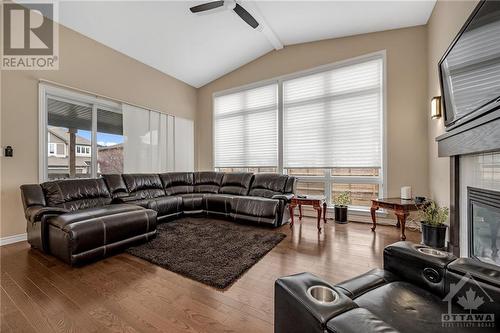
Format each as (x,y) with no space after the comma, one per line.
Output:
(192,201)
(63,220)
(400,303)
(255,206)
(101,231)
(272,221)
(358,320)
(166,205)
(218,203)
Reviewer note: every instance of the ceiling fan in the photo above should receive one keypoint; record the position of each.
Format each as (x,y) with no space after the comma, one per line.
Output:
(237,8)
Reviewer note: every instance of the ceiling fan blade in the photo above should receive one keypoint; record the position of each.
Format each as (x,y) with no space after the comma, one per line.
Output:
(245,16)
(206,6)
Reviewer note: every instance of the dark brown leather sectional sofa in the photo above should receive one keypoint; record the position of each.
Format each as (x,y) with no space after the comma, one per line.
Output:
(78,220)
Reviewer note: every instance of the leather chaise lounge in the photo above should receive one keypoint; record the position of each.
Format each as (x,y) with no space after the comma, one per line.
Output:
(415,292)
(78,220)
(75,221)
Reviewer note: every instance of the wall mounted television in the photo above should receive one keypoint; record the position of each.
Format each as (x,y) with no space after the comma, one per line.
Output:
(470,69)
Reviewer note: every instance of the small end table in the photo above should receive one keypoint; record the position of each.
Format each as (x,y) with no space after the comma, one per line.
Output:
(318,202)
(401,208)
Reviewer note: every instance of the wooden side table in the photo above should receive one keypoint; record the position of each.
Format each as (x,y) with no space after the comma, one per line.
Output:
(401,208)
(318,202)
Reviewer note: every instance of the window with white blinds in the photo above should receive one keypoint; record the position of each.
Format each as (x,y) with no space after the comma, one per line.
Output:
(333,119)
(324,126)
(246,128)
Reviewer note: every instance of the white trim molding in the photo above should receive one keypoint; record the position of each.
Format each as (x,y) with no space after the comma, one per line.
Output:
(13,239)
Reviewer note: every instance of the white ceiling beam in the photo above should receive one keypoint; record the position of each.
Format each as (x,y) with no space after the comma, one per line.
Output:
(264,27)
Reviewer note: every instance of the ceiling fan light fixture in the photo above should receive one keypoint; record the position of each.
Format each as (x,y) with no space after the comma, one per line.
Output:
(229,4)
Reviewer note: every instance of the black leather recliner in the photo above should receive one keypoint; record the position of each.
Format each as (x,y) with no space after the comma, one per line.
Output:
(419,290)
(82,219)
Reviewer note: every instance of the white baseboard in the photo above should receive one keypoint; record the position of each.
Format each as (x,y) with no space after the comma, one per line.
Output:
(13,239)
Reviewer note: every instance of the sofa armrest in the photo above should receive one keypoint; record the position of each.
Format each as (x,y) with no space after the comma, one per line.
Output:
(295,309)
(363,283)
(480,271)
(410,263)
(287,197)
(35,213)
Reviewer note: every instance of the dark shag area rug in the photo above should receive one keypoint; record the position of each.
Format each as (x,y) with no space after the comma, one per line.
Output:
(211,251)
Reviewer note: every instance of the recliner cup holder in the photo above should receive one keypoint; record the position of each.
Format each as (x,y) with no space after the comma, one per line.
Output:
(322,294)
(432,252)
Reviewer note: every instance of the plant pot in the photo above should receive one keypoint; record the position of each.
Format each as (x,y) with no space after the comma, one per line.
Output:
(434,235)
(340,214)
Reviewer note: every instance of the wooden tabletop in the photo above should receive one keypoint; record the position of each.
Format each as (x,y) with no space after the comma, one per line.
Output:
(396,201)
(311,197)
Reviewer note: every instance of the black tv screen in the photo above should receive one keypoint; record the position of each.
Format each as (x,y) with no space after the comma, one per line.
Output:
(470,68)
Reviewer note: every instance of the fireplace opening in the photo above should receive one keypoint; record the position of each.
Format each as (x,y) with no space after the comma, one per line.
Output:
(484,224)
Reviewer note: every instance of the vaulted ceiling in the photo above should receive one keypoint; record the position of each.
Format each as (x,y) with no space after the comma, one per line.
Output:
(199,48)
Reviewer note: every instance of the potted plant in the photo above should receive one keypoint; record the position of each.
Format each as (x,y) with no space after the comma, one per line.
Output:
(433,218)
(341,202)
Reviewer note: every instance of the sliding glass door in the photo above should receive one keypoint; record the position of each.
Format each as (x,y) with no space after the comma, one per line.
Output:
(109,139)
(69,139)
(85,136)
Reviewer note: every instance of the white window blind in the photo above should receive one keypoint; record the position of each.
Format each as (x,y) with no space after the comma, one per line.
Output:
(246,128)
(334,118)
(149,139)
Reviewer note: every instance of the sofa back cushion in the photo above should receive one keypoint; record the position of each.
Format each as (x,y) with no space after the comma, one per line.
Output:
(32,195)
(75,194)
(207,182)
(236,183)
(291,185)
(177,182)
(116,185)
(268,184)
(144,185)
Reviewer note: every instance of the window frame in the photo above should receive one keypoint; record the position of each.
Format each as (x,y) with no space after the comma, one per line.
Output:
(46,91)
(328,179)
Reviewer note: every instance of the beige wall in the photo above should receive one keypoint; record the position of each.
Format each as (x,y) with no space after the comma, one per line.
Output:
(412,56)
(85,64)
(445,22)
(406,95)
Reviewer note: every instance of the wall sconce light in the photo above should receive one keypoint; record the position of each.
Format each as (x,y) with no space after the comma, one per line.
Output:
(436,107)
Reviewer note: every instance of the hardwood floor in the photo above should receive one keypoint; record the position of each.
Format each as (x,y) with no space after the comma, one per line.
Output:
(126,294)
